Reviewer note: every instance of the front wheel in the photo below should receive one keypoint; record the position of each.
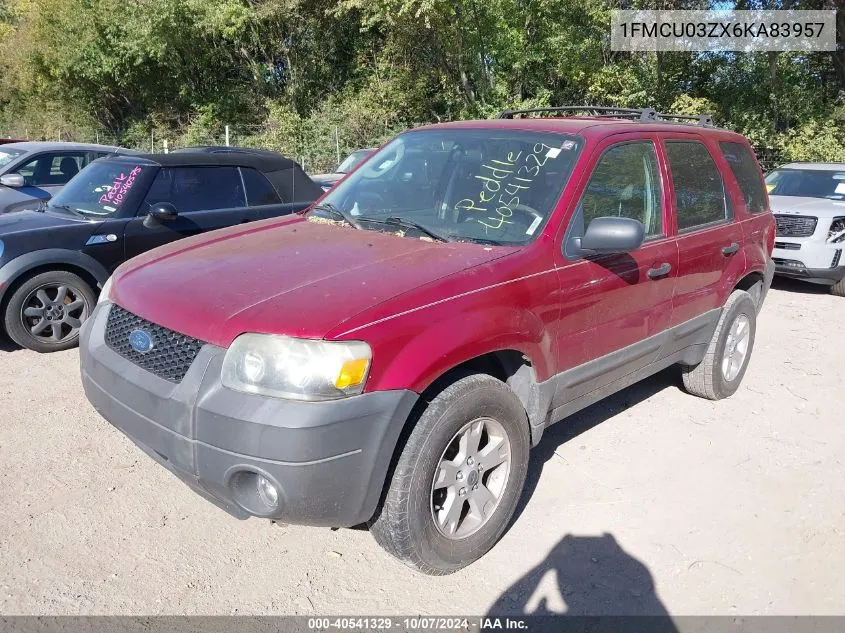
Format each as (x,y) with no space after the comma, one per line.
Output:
(458,479)
(838,289)
(46,311)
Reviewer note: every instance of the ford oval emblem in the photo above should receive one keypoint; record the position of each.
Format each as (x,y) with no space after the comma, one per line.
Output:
(141,341)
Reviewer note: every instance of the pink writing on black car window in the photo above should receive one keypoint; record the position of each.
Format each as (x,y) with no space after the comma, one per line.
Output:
(121,186)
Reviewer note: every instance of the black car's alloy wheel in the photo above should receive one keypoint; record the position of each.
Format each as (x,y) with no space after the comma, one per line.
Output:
(45,312)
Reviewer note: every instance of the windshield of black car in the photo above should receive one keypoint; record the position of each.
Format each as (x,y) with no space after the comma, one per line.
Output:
(100,189)
(485,184)
(807,183)
(7,155)
(352,161)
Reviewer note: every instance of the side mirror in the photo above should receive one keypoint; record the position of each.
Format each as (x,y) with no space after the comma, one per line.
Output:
(161,212)
(610,235)
(12,180)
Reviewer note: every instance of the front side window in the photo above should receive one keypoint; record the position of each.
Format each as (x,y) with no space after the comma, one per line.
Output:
(699,190)
(196,189)
(493,185)
(807,183)
(52,169)
(747,174)
(104,187)
(626,183)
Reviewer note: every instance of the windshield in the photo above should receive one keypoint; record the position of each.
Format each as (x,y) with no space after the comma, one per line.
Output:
(7,155)
(808,183)
(353,160)
(491,185)
(102,188)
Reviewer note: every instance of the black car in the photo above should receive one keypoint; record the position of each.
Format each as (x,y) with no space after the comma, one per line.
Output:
(54,260)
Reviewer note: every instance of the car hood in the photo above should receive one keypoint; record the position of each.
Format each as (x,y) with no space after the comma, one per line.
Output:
(21,221)
(819,207)
(290,276)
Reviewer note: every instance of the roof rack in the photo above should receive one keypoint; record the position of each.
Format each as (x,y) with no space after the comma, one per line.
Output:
(632,114)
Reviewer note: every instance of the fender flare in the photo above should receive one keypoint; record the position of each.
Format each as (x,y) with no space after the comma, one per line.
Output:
(12,270)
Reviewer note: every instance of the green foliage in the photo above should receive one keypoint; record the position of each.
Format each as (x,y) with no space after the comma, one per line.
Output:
(304,76)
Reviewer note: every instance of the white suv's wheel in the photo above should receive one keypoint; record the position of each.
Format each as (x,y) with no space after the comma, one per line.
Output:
(838,288)
(720,373)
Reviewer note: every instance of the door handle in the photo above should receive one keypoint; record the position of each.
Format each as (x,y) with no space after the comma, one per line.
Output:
(730,250)
(660,271)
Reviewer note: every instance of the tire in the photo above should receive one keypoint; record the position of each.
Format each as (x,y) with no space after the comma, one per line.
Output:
(44,312)
(709,378)
(838,289)
(405,525)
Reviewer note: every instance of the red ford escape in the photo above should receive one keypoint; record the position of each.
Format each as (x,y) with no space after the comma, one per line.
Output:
(390,356)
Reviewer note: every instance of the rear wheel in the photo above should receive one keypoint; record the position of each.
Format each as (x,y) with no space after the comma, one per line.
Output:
(838,288)
(46,311)
(720,373)
(458,479)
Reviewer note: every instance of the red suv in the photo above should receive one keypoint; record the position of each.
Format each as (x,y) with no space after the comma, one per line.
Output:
(390,356)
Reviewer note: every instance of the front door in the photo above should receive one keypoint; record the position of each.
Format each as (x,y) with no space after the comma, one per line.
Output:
(624,300)
(206,198)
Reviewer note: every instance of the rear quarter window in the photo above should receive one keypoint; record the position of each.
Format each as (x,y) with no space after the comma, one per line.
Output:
(747,174)
(259,191)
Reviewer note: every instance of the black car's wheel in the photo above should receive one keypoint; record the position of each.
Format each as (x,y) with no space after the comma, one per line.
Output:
(46,311)
(458,479)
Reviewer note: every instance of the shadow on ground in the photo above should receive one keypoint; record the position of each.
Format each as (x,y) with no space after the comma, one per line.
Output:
(7,346)
(585,576)
(800,287)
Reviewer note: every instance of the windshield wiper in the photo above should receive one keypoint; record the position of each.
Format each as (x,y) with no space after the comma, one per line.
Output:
(479,240)
(66,207)
(408,224)
(337,212)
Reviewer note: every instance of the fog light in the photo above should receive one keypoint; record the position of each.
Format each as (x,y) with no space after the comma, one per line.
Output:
(267,492)
(255,493)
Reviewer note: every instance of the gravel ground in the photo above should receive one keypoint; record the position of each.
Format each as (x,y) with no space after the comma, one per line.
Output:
(652,501)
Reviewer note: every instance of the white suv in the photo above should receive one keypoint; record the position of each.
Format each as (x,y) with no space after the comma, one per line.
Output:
(808,200)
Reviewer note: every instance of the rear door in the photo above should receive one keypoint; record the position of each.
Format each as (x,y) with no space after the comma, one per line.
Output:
(709,240)
(206,198)
(626,298)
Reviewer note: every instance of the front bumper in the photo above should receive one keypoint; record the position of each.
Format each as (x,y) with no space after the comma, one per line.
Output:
(796,269)
(328,460)
(809,259)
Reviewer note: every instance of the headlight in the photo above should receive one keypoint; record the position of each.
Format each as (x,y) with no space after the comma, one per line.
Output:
(105,292)
(299,369)
(836,233)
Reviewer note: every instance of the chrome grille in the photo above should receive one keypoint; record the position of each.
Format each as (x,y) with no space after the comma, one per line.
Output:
(171,355)
(796,225)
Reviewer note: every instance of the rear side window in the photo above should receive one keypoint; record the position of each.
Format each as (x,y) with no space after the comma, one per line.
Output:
(626,183)
(744,169)
(259,191)
(196,189)
(699,190)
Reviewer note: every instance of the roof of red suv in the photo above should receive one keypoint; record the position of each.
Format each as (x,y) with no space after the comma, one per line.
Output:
(587,126)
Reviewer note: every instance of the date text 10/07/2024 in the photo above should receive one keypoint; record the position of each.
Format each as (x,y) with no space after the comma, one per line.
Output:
(455,625)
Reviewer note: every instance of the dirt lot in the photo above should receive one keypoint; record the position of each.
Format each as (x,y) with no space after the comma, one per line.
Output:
(735,507)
